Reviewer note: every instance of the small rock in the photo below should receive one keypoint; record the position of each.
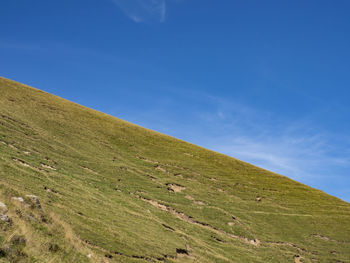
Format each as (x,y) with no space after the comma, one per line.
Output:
(89,255)
(36,200)
(258,199)
(3,208)
(19,199)
(4,218)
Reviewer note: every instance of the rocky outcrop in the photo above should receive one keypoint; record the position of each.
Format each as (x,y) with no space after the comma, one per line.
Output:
(3,208)
(35,199)
(19,199)
(3,213)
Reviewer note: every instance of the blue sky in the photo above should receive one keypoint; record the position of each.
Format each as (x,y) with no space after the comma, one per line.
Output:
(265,81)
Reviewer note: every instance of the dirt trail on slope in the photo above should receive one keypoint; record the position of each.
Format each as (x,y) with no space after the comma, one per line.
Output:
(194,200)
(254,242)
(23,163)
(329,239)
(281,243)
(191,220)
(272,213)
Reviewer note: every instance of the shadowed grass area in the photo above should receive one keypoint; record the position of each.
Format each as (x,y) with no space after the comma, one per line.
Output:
(111,191)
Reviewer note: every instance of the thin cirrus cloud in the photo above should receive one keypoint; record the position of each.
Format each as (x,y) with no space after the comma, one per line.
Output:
(143,10)
(298,148)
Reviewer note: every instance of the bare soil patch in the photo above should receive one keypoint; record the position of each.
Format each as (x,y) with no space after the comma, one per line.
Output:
(175,188)
(158,168)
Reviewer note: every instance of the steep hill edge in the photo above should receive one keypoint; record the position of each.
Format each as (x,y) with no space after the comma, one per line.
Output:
(111,191)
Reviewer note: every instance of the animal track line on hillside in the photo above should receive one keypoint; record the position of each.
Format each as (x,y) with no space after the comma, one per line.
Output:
(23,163)
(194,200)
(191,220)
(329,239)
(89,170)
(109,254)
(47,166)
(281,243)
(4,117)
(159,168)
(272,213)
(9,145)
(147,160)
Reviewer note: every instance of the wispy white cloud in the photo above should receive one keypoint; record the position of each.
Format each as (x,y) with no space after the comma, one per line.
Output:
(297,148)
(143,10)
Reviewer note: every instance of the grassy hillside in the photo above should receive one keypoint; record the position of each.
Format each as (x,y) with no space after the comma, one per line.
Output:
(111,191)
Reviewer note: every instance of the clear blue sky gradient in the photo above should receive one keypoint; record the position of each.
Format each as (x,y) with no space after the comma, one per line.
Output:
(263,81)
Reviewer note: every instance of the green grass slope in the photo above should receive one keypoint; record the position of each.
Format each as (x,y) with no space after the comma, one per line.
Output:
(111,191)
